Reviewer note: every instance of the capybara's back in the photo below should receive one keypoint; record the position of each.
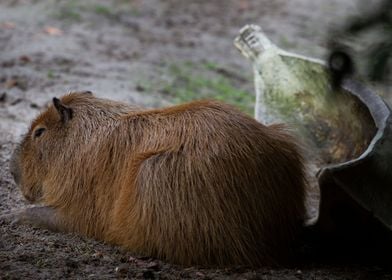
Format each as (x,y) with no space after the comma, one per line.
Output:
(200,183)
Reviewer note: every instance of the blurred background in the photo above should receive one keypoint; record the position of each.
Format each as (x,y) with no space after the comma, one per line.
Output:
(147,52)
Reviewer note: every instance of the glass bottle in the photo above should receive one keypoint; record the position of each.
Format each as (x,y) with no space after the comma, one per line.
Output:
(295,90)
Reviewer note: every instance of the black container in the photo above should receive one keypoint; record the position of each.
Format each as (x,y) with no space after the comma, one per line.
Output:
(356,195)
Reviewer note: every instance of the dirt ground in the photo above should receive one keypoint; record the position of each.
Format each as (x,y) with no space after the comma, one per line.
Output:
(135,51)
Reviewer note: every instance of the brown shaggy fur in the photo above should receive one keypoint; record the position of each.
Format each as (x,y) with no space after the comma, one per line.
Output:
(199,183)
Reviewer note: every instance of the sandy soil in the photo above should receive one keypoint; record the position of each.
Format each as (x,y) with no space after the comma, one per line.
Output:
(123,50)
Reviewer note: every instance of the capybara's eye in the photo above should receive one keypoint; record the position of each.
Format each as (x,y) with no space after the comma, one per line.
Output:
(38,132)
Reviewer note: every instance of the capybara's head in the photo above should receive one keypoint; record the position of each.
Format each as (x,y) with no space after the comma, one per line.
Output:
(40,146)
(55,137)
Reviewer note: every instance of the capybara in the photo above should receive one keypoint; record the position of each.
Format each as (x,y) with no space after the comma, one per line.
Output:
(194,184)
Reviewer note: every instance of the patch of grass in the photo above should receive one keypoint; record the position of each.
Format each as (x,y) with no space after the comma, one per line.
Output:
(191,81)
(103,10)
(41,263)
(70,11)
(211,65)
(50,74)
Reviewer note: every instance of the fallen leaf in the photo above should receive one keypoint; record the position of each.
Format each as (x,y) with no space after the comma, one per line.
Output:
(7,25)
(243,5)
(53,31)
(97,255)
(122,268)
(152,265)
(15,82)
(25,59)
(10,83)
(200,274)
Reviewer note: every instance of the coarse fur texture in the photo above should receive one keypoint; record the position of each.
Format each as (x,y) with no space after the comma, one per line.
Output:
(199,183)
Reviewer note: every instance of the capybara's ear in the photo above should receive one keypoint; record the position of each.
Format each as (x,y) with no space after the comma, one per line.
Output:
(87,92)
(64,111)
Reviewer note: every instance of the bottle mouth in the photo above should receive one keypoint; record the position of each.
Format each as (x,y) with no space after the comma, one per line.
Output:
(334,124)
(251,41)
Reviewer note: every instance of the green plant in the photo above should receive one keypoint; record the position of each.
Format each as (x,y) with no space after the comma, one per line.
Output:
(70,11)
(192,81)
(50,74)
(103,10)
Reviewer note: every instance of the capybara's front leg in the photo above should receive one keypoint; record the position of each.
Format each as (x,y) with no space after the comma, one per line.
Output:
(43,217)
